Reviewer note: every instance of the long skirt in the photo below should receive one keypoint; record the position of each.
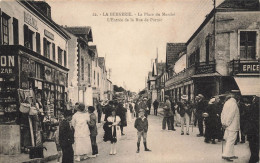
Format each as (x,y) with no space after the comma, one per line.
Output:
(82,146)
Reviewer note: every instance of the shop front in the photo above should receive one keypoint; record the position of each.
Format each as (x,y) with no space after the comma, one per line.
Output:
(33,93)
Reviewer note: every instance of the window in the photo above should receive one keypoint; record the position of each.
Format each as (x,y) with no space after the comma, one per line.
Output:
(89,70)
(28,37)
(247,44)
(65,58)
(39,71)
(59,56)
(5,26)
(47,48)
(38,43)
(82,68)
(207,51)
(53,52)
(15,31)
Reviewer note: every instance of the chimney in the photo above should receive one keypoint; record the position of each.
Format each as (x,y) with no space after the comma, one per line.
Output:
(44,7)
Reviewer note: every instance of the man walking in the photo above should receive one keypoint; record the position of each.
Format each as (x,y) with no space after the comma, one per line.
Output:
(149,105)
(230,120)
(155,106)
(167,114)
(184,111)
(99,111)
(200,108)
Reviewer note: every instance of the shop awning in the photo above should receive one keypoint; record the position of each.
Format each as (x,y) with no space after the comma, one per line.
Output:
(206,75)
(248,85)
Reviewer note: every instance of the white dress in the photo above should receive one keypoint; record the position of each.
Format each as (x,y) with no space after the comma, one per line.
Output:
(82,133)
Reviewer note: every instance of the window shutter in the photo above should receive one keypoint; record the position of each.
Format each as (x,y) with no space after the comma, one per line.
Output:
(44,47)
(65,58)
(0,27)
(38,43)
(53,52)
(26,35)
(15,31)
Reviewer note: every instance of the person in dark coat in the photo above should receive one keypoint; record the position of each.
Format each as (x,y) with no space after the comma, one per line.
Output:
(99,111)
(107,109)
(121,112)
(211,122)
(149,105)
(201,105)
(167,114)
(155,106)
(251,129)
(137,108)
(93,130)
(66,138)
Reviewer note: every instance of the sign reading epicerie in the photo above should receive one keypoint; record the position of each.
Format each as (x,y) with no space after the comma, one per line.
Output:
(249,67)
(7,64)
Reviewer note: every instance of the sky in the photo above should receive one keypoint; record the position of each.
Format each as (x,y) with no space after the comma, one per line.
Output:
(130,46)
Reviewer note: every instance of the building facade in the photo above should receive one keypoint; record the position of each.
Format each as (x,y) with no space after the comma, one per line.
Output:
(80,63)
(223,53)
(34,64)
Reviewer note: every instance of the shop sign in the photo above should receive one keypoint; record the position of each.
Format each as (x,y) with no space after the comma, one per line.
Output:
(205,69)
(28,18)
(7,64)
(49,34)
(249,67)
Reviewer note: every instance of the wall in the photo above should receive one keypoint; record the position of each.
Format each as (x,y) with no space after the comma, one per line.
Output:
(16,9)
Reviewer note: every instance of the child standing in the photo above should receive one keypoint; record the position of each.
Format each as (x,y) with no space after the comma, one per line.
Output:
(141,124)
(93,130)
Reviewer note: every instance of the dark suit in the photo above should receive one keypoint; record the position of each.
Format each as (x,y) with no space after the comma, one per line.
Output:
(66,139)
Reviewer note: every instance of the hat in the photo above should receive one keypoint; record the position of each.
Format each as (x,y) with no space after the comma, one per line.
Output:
(200,96)
(212,100)
(81,107)
(184,97)
(166,96)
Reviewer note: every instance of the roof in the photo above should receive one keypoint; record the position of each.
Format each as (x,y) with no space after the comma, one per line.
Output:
(172,52)
(34,8)
(101,62)
(83,32)
(227,6)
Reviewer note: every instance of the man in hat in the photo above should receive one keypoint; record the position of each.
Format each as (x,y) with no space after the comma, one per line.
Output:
(230,120)
(141,124)
(200,109)
(66,137)
(99,110)
(184,111)
(167,114)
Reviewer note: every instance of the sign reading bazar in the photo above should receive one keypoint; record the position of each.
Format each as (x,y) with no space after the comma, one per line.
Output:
(7,64)
(249,67)
(28,18)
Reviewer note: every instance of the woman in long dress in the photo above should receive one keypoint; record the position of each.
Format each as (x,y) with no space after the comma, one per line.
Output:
(82,134)
(112,130)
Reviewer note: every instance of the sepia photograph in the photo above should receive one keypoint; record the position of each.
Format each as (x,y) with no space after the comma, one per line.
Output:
(129,81)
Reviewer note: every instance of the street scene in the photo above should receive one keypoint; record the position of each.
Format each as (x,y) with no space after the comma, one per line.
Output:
(129,81)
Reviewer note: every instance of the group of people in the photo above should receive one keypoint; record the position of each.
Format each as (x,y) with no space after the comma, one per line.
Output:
(78,128)
(223,120)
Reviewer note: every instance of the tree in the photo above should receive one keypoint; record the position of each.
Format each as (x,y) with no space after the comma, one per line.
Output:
(118,89)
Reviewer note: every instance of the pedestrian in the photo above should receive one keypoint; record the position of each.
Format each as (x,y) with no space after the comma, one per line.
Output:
(121,112)
(230,122)
(172,116)
(66,138)
(184,111)
(200,109)
(141,124)
(137,108)
(167,113)
(93,130)
(149,105)
(251,129)
(155,106)
(99,111)
(143,106)
(211,121)
(112,130)
(80,122)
